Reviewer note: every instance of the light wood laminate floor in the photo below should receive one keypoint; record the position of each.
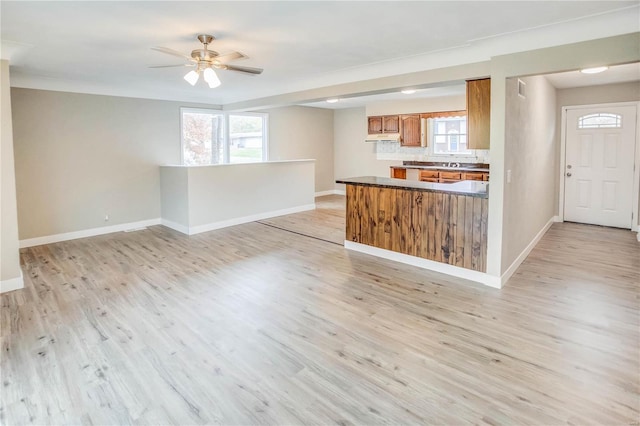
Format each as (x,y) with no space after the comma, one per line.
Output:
(256,324)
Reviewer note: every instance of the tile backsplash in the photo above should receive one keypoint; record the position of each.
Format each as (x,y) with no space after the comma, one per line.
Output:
(393,151)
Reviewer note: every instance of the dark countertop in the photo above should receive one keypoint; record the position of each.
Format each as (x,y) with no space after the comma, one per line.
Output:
(462,169)
(470,188)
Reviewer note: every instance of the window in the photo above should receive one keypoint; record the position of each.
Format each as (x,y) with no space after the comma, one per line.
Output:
(202,137)
(449,135)
(246,138)
(205,139)
(600,120)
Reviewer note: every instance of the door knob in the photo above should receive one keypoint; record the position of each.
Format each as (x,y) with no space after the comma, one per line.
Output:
(568,174)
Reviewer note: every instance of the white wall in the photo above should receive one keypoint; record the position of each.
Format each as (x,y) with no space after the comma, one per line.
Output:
(298,132)
(532,156)
(608,93)
(10,273)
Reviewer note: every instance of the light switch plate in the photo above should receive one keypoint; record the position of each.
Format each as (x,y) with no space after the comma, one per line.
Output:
(508,176)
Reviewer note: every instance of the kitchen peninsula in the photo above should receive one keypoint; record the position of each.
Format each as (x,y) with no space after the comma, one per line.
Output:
(439,222)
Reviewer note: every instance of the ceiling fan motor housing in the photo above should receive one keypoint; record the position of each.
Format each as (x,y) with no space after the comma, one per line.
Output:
(203,55)
(205,38)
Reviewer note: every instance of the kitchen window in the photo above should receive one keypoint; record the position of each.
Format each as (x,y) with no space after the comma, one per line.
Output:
(449,136)
(215,137)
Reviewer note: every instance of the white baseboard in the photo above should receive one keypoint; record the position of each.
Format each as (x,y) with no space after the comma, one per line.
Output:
(516,263)
(38,241)
(175,226)
(13,284)
(330,192)
(192,230)
(557,219)
(456,271)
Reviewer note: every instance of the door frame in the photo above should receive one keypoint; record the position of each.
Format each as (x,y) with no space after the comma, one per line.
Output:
(636,162)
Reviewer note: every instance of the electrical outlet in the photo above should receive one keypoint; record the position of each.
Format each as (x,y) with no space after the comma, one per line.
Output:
(106,217)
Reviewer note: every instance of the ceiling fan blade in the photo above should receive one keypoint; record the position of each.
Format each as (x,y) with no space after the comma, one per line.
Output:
(171,66)
(227,57)
(171,52)
(247,70)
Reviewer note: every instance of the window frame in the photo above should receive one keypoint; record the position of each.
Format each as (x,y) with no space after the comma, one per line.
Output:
(616,125)
(432,146)
(226,140)
(265,135)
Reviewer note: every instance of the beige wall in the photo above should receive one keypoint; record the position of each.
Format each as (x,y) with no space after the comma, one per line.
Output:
(9,251)
(87,156)
(298,132)
(608,93)
(201,198)
(409,106)
(254,189)
(80,157)
(352,155)
(532,156)
(174,195)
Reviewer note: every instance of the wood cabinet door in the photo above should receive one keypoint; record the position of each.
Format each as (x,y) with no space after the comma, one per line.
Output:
(390,124)
(429,175)
(410,130)
(398,173)
(478,113)
(473,176)
(375,125)
(450,176)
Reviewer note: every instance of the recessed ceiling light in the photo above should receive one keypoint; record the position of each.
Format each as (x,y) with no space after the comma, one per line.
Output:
(594,70)
(333,100)
(409,91)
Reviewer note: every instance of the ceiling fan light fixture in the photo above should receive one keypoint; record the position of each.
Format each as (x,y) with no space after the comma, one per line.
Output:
(211,78)
(595,70)
(192,77)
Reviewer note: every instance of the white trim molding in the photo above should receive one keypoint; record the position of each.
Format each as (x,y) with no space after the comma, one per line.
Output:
(330,192)
(516,263)
(48,239)
(444,268)
(12,284)
(193,230)
(175,226)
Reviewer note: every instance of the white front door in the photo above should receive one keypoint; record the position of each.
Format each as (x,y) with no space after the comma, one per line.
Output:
(598,174)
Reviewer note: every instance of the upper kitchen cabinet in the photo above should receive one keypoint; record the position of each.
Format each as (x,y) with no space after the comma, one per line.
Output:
(478,113)
(384,124)
(390,124)
(410,130)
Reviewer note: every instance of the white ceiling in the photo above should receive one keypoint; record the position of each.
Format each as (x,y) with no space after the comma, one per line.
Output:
(565,80)
(359,101)
(103,47)
(617,74)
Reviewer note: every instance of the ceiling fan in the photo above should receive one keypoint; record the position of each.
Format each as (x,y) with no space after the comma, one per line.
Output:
(205,60)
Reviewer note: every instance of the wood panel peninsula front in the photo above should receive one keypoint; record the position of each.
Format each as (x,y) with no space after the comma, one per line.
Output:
(435,221)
